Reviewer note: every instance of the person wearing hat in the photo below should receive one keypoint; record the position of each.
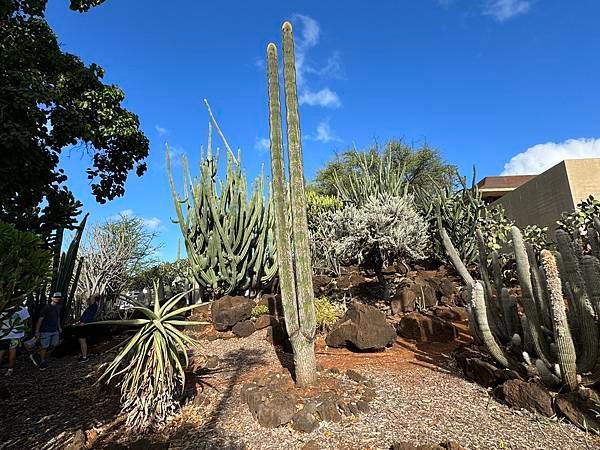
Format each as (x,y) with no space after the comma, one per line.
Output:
(47,330)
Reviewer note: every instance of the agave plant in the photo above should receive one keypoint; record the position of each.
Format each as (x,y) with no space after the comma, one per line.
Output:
(150,368)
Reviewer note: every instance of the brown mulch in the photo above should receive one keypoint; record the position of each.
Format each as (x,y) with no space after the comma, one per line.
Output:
(421,399)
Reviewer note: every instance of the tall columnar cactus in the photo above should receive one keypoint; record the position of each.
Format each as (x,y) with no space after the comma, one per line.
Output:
(565,350)
(293,255)
(588,351)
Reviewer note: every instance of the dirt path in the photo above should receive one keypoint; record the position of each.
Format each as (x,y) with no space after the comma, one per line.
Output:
(421,399)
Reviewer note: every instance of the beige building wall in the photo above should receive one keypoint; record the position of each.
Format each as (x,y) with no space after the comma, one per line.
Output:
(559,189)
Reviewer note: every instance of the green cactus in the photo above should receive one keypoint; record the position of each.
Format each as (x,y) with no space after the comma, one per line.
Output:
(294,259)
(588,344)
(227,234)
(65,273)
(562,334)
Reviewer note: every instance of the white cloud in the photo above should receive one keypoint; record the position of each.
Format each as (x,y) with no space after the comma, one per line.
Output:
(262,144)
(153,223)
(161,131)
(503,10)
(325,97)
(324,133)
(309,33)
(540,157)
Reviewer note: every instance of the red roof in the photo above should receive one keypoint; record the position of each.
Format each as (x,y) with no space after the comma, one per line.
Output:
(504,182)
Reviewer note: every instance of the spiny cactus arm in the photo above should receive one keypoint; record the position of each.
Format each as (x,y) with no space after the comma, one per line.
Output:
(588,351)
(509,309)
(497,272)
(495,318)
(562,334)
(454,256)
(524,274)
(231,154)
(590,266)
(284,249)
(538,288)
(479,310)
(304,284)
(548,378)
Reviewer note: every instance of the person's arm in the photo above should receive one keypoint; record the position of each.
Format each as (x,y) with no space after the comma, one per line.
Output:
(38,325)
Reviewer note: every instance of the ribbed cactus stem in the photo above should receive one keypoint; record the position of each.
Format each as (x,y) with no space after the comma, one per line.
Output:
(479,311)
(565,349)
(524,273)
(509,311)
(538,288)
(590,266)
(455,257)
(293,257)
(587,324)
(594,241)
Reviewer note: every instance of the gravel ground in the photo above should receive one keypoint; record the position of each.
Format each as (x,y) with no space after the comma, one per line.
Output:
(420,399)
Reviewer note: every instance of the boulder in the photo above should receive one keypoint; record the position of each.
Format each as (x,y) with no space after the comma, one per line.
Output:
(304,421)
(244,328)
(362,327)
(263,321)
(425,328)
(579,409)
(425,293)
(269,406)
(451,313)
(228,311)
(405,302)
(328,411)
(526,395)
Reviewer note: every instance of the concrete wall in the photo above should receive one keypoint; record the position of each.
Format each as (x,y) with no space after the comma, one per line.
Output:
(541,200)
(584,178)
(559,189)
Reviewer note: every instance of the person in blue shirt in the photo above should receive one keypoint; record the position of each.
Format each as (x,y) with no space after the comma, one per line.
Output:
(82,332)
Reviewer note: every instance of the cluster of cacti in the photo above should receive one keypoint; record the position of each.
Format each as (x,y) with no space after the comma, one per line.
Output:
(318,204)
(557,334)
(228,236)
(65,275)
(293,249)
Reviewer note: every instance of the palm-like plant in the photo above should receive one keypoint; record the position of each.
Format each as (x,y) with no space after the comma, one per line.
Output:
(150,368)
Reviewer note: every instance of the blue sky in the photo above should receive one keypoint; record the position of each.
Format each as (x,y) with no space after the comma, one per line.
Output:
(508,85)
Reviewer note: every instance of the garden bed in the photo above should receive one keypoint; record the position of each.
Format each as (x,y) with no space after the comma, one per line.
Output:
(421,398)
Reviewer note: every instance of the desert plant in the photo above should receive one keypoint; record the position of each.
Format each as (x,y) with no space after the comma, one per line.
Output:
(581,218)
(150,367)
(318,204)
(293,252)
(66,271)
(228,234)
(327,313)
(376,175)
(24,265)
(259,310)
(559,343)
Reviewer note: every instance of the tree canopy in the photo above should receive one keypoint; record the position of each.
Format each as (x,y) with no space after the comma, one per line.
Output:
(421,165)
(50,100)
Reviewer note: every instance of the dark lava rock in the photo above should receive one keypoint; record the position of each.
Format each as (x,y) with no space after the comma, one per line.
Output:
(362,406)
(451,313)
(328,411)
(311,445)
(526,395)
(425,328)
(405,302)
(304,421)
(270,407)
(228,310)
(369,395)
(362,327)
(424,293)
(263,322)
(244,328)
(579,410)
(355,376)
(212,362)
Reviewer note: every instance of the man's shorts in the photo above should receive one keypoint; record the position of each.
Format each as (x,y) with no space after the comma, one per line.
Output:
(49,339)
(6,344)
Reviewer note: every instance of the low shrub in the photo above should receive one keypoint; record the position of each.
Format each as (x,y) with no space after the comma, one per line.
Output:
(259,310)
(327,313)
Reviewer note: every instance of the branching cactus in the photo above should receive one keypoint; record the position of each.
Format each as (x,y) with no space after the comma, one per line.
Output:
(294,260)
